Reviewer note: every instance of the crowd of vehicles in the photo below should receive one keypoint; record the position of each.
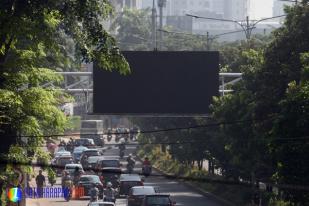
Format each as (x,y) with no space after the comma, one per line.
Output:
(82,164)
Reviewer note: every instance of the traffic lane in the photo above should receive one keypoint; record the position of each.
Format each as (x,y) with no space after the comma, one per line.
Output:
(178,191)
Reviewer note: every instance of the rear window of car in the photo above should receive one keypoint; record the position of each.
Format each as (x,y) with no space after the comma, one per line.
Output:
(65,161)
(110,163)
(158,200)
(91,153)
(143,191)
(90,179)
(131,183)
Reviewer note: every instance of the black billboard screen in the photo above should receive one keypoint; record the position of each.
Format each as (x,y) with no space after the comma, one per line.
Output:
(160,83)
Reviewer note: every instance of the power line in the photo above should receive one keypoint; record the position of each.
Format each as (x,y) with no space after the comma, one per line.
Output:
(153,131)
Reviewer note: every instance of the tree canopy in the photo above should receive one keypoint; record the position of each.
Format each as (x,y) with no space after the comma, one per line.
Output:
(34,39)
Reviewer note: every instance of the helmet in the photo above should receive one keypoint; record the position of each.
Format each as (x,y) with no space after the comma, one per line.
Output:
(109,184)
(130,155)
(122,141)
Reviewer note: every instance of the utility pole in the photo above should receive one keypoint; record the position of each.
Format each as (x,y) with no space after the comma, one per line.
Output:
(154,26)
(161,4)
(208,41)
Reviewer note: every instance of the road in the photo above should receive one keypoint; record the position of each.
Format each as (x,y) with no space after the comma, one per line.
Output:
(180,193)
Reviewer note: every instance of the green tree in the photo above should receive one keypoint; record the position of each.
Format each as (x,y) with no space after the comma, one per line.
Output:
(33,44)
(274,95)
(133,29)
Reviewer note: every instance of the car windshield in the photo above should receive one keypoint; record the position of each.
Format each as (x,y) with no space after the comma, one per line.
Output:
(158,200)
(143,191)
(79,149)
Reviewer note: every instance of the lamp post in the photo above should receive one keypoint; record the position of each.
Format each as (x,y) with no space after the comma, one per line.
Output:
(247,25)
(154,26)
(161,4)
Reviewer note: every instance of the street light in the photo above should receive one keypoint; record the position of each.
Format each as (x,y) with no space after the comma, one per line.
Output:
(246,25)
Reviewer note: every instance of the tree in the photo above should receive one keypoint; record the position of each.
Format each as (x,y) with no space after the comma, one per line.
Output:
(133,29)
(273,96)
(32,45)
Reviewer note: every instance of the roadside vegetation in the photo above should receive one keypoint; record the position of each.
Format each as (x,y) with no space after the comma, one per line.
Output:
(259,133)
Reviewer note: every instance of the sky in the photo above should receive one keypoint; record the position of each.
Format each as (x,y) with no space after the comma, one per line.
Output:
(261,8)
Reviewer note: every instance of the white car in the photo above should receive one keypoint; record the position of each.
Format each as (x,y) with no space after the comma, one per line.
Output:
(101,203)
(62,153)
(71,168)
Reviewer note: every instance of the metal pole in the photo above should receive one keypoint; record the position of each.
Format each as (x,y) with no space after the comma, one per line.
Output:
(154,22)
(161,26)
(208,41)
(223,88)
(247,28)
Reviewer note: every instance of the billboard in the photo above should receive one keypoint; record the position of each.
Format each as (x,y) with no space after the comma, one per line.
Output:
(160,83)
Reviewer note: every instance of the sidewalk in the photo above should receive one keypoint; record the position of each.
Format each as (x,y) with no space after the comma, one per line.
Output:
(32,184)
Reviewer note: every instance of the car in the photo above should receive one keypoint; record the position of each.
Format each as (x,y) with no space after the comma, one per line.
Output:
(77,152)
(86,142)
(60,162)
(88,153)
(108,161)
(127,181)
(137,193)
(62,153)
(92,161)
(101,203)
(157,200)
(110,174)
(71,168)
(86,182)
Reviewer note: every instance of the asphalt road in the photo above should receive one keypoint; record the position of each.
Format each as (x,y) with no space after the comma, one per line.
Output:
(180,193)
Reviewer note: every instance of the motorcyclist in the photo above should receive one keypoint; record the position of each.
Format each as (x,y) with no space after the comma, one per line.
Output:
(146,162)
(66,183)
(109,193)
(122,145)
(76,175)
(131,163)
(84,161)
(146,167)
(94,193)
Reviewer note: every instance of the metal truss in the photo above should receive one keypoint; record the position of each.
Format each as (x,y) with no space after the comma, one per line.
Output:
(85,85)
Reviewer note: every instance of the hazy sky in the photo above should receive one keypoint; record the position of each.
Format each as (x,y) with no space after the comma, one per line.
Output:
(261,8)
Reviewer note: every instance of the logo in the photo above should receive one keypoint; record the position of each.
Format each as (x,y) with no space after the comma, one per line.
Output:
(14,194)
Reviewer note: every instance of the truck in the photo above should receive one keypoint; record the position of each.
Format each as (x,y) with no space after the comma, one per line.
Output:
(92,129)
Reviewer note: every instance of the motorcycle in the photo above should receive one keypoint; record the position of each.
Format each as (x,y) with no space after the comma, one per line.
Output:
(68,196)
(146,170)
(67,193)
(121,154)
(94,198)
(108,199)
(130,168)
(109,137)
